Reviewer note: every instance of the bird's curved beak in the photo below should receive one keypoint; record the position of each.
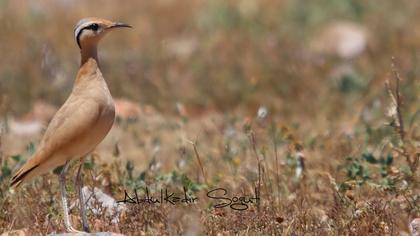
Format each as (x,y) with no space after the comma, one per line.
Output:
(119,25)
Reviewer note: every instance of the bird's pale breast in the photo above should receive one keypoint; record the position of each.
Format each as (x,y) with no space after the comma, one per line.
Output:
(85,118)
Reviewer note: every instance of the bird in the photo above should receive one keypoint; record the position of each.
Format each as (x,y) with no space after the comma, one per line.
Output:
(81,123)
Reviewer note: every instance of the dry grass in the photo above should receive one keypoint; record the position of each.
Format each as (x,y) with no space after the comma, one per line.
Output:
(203,70)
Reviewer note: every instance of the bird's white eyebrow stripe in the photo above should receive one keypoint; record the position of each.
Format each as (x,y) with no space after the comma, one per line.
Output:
(81,25)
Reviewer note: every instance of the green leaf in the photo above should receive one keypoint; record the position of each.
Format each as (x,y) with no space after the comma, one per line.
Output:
(88,164)
(365,173)
(388,160)
(17,158)
(369,158)
(58,170)
(185,181)
(142,176)
(388,184)
(174,176)
(129,167)
(30,148)
(5,171)
(384,171)
(356,171)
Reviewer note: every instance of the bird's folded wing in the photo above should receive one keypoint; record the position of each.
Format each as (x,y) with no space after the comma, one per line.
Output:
(71,121)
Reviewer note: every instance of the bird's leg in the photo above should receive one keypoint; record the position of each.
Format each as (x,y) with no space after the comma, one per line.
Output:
(79,185)
(64,198)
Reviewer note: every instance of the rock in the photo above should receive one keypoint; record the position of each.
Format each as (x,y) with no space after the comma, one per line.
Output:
(88,234)
(415,227)
(34,121)
(19,232)
(25,128)
(101,203)
(126,109)
(262,112)
(346,40)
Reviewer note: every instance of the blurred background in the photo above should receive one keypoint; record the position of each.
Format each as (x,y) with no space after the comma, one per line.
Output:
(213,55)
(289,94)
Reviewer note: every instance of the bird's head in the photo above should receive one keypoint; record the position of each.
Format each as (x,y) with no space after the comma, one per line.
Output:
(89,31)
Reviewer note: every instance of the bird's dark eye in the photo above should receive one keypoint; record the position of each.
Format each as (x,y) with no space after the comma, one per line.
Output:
(94,27)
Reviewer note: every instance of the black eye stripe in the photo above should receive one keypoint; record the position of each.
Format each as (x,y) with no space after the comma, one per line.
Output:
(93,27)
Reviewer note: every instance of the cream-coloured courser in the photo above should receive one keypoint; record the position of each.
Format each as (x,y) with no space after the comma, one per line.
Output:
(82,122)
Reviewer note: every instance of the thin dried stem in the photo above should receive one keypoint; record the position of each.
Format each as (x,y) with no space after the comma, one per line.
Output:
(253,142)
(276,155)
(398,102)
(396,113)
(199,160)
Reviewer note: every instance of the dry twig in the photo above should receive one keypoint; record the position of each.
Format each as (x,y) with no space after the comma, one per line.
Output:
(398,123)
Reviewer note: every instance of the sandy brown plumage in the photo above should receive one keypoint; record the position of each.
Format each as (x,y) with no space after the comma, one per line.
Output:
(81,123)
(77,127)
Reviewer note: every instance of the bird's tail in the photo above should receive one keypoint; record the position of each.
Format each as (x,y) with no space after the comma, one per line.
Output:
(23,173)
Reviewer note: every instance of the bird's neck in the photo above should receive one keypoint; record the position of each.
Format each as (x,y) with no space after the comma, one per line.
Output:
(87,53)
(88,73)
